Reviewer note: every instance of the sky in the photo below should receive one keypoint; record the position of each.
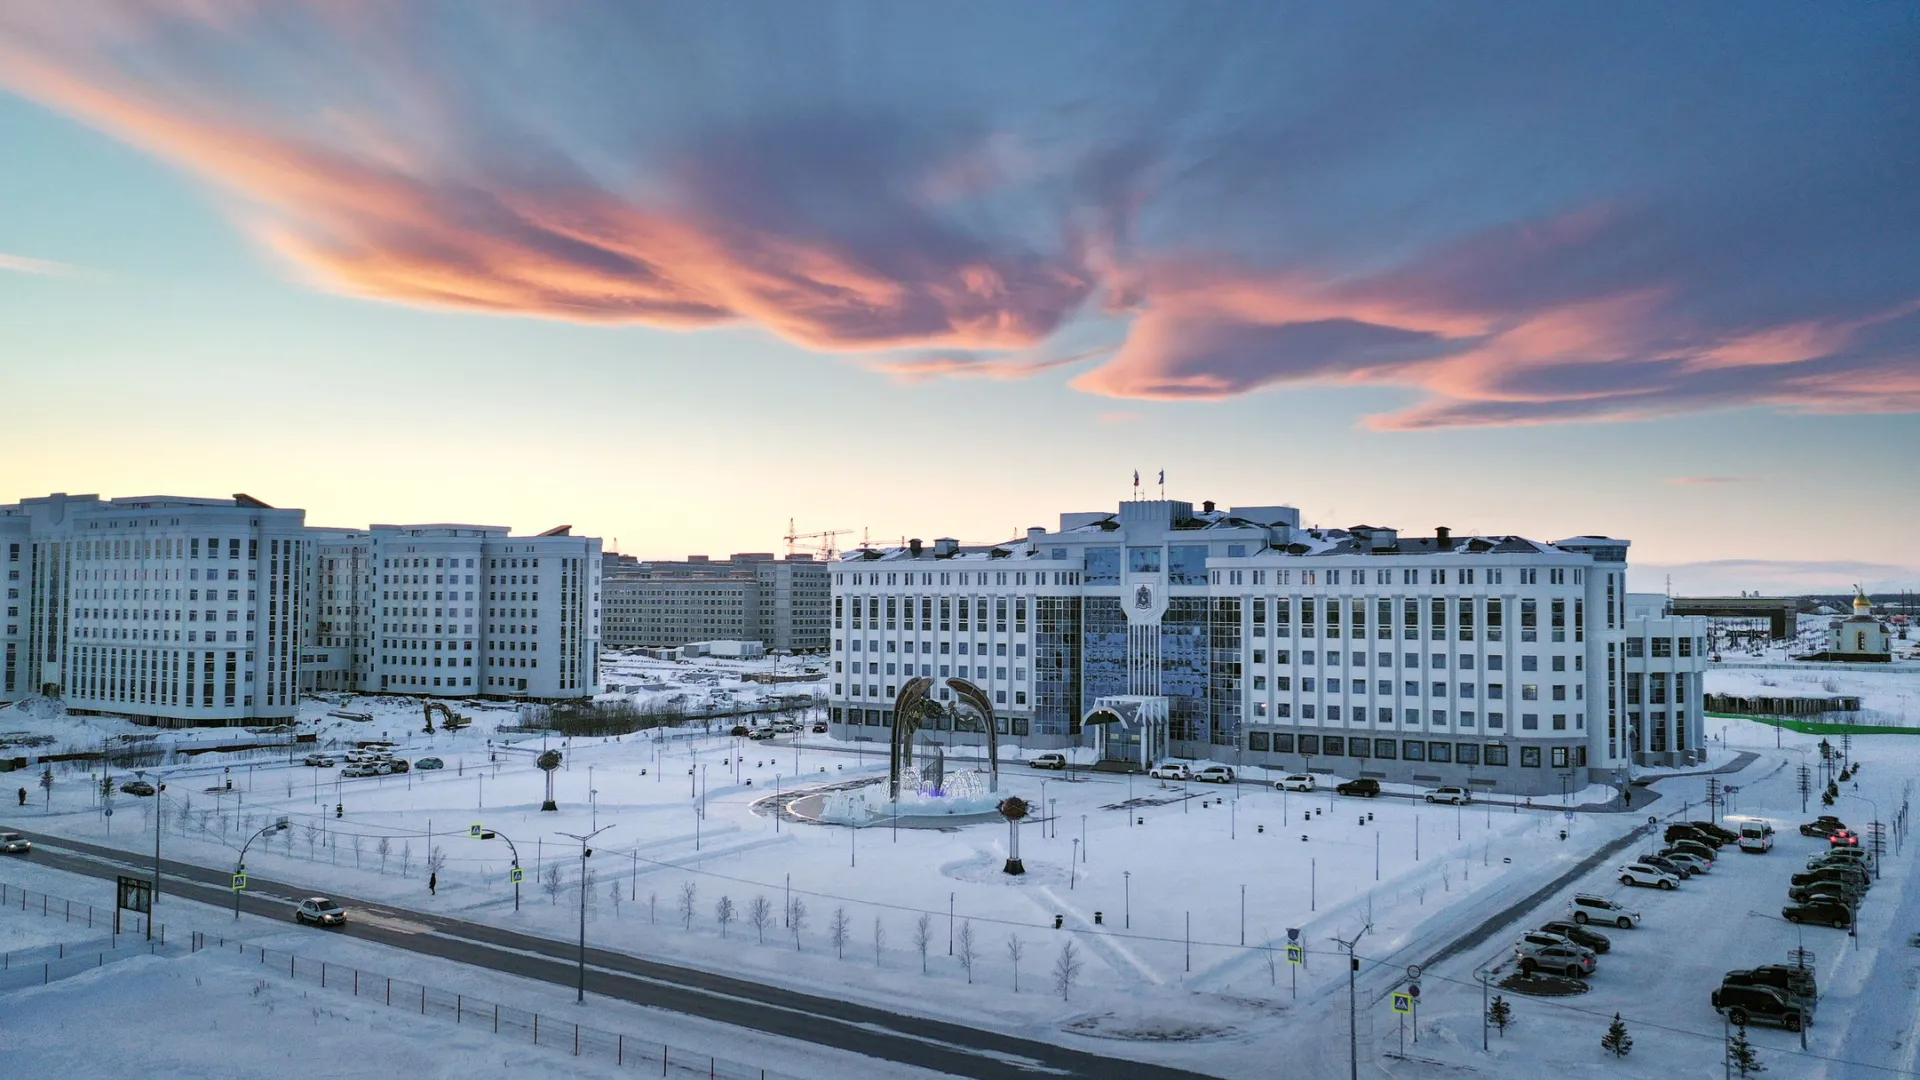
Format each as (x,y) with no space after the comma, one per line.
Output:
(678,274)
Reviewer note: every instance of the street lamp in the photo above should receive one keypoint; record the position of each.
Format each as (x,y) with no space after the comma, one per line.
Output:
(585,853)
(479,833)
(1126,895)
(158,790)
(240,864)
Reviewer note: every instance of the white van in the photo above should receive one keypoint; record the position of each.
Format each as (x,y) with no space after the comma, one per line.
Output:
(1296,782)
(1756,836)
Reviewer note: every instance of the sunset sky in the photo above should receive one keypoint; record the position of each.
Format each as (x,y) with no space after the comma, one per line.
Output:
(675,273)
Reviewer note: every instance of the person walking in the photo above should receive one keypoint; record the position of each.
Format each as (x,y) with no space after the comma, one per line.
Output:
(23,796)
(433,884)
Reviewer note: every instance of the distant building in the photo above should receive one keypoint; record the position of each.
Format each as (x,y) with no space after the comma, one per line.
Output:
(1237,635)
(1859,637)
(184,611)
(779,602)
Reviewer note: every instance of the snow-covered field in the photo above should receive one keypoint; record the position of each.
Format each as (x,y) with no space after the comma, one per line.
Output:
(1149,881)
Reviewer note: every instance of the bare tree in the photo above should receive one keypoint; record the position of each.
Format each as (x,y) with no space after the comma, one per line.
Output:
(385,848)
(963,949)
(312,833)
(406,858)
(797,919)
(589,883)
(436,861)
(922,937)
(723,913)
(689,895)
(357,841)
(550,881)
(1066,970)
(760,913)
(837,928)
(879,939)
(613,892)
(1015,950)
(225,822)
(653,907)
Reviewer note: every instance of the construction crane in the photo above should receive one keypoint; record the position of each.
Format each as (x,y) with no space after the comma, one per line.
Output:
(828,539)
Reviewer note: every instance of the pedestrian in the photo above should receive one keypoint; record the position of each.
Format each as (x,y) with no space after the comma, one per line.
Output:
(433,884)
(23,796)
(1626,796)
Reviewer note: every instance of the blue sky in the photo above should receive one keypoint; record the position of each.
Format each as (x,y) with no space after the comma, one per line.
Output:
(675,274)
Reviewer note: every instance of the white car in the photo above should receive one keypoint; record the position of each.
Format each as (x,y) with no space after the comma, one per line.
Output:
(1652,878)
(1048,761)
(1170,770)
(12,843)
(1296,782)
(1588,907)
(1215,774)
(1455,796)
(1692,862)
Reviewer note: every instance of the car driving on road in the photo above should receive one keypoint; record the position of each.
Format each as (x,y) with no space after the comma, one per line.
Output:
(1824,825)
(429,763)
(1301,782)
(319,911)
(320,761)
(12,843)
(1056,762)
(1364,787)
(137,787)
(1170,770)
(1215,774)
(1453,796)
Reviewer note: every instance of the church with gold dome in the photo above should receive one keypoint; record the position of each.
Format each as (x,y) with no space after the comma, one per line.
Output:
(1859,638)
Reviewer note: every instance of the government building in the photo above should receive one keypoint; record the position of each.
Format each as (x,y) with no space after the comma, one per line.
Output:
(1236,635)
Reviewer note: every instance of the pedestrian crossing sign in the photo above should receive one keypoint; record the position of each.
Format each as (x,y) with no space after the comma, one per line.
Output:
(517,875)
(239,882)
(1296,954)
(473,831)
(1402,1002)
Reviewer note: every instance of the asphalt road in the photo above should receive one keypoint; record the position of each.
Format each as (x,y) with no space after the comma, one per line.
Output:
(929,1044)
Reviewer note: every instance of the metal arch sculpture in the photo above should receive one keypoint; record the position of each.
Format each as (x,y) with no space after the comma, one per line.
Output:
(906,723)
(972,695)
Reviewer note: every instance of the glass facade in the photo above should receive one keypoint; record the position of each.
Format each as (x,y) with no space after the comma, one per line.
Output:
(1104,667)
(1056,662)
(1143,560)
(1103,566)
(1187,564)
(1224,673)
(1183,667)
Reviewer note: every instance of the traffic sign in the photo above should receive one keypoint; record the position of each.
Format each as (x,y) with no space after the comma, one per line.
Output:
(473,831)
(1296,954)
(1413,990)
(517,876)
(1413,971)
(1402,1003)
(1293,933)
(239,882)
(1568,813)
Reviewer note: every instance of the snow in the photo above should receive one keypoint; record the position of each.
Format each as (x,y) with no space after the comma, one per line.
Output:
(1165,866)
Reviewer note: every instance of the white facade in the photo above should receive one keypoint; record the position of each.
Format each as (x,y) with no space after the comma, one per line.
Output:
(1495,661)
(779,602)
(1665,692)
(187,611)
(183,611)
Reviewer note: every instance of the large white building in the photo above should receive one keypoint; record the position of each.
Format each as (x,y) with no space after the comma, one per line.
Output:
(1237,635)
(781,603)
(190,611)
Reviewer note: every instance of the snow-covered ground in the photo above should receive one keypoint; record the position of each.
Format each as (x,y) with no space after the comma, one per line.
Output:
(1157,895)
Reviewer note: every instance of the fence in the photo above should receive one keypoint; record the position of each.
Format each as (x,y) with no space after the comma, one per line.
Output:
(49,906)
(42,964)
(644,1057)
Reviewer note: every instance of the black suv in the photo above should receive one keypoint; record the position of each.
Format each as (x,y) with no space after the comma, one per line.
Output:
(1819,910)
(1825,890)
(1746,1004)
(1364,788)
(1846,875)
(1797,983)
(1716,830)
(1579,935)
(1824,825)
(1661,862)
(1683,831)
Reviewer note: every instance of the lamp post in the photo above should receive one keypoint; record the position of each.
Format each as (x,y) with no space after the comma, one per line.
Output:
(158,790)
(1353,1028)
(580,995)
(240,864)
(1126,895)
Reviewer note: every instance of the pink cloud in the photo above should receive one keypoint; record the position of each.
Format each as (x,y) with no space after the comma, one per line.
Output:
(1696,481)
(21,264)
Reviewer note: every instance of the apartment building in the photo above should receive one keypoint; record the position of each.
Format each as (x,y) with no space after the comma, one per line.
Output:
(1237,635)
(751,596)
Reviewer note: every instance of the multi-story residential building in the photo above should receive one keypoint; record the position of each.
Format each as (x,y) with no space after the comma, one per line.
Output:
(188,611)
(1240,636)
(1665,689)
(752,597)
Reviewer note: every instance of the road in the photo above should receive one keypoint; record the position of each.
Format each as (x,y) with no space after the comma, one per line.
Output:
(910,1040)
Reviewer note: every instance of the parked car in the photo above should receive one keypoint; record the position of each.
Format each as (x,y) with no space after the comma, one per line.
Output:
(820,727)
(320,911)
(361,755)
(1756,837)
(320,761)
(427,763)
(1841,856)
(1819,910)
(1744,1005)
(1848,875)
(1365,788)
(1692,862)
(1836,891)
(1579,935)
(740,731)
(1215,774)
(1452,796)
(1049,761)
(397,765)
(1824,825)
(355,771)
(1679,869)
(1296,782)
(1798,983)
(785,727)
(137,787)
(1716,830)
(1587,907)
(1170,770)
(1544,938)
(1562,958)
(1685,831)
(12,843)
(1646,876)
(1696,848)
(1844,838)
(761,734)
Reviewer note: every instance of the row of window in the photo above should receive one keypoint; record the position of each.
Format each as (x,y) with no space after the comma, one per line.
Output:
(1431,750)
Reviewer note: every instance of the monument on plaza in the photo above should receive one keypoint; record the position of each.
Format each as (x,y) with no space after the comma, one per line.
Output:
(912,705)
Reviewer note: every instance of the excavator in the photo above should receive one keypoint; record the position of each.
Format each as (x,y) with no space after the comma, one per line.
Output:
(450,720)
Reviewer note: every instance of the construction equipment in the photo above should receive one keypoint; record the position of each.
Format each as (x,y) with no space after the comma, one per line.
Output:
(449,720)
(828,540)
